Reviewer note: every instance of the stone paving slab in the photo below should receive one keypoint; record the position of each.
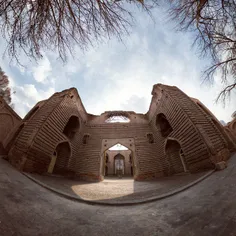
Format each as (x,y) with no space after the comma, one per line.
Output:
(113,191)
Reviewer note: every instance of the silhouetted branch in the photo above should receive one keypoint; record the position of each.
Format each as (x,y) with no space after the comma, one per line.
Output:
(214,24)
(36,25)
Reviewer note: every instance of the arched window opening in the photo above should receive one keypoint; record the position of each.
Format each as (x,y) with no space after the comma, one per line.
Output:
(31,113)
(118,147)
(85,138)
(175,158)
(71,127)
(63,153)
(118,119)
(150,138)
(163,124)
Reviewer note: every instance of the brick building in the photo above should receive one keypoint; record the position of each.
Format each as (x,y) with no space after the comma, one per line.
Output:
(8,120)
(230,128)
(115,157)
(177,134)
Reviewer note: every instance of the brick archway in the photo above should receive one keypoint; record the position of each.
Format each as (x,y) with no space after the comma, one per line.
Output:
(60,159)
(176,162)
(71,127)
(108,143)
(163,125)
(119,163)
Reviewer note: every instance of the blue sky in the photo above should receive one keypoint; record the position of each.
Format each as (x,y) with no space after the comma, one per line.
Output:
(116,75)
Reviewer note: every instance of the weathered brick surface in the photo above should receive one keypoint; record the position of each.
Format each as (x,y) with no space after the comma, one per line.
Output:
(111,161)
(195,132)
(8,120)
(43,131)
(230,129)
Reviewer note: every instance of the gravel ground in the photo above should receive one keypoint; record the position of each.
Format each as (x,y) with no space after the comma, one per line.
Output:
(118,190)
(206,209)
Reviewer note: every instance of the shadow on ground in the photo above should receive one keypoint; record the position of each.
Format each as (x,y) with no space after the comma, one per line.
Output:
(113,190)
(207,208)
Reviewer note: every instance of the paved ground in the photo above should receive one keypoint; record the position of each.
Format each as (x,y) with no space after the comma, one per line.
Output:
(118,190)
(206,209)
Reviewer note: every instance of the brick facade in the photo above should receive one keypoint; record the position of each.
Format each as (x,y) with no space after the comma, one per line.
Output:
(8,120)
(230,129)
(110,168)
(175,135)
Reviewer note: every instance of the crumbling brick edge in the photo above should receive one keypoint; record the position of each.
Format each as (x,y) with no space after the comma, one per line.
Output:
(124,203)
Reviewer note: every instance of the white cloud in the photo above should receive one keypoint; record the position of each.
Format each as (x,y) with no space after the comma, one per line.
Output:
(27,96)
(42,71)
(120,76)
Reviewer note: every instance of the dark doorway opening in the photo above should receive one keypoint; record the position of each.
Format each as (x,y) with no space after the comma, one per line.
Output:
(62,153)
(163,125)
(175,158)
(118,162)
(71,127)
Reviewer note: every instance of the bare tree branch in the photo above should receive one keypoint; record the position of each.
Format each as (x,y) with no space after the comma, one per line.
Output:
(214,24)
(32,26)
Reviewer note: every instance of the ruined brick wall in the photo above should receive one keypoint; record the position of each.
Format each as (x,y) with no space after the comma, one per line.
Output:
(192,134)
(8,120)
(198,137)
(89,159)
(43,130)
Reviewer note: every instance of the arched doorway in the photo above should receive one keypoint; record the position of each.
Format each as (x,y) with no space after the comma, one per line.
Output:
(111,151)
(116,160)
(175,158)
(119,165)
(60,159)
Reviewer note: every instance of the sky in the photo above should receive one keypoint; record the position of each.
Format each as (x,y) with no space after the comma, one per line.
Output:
(115,75)
(118,147)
